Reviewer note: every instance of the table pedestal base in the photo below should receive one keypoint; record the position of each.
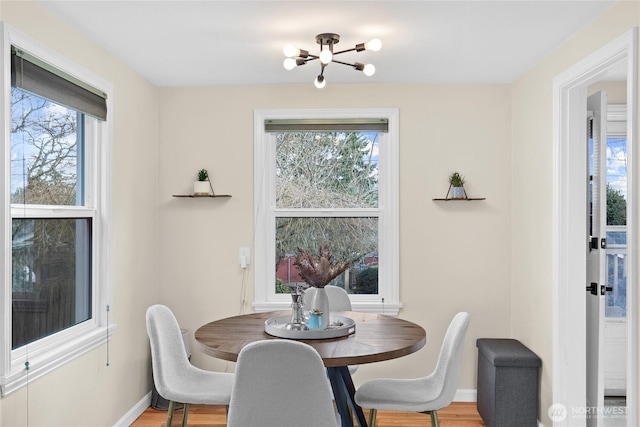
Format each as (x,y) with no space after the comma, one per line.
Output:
(344,391)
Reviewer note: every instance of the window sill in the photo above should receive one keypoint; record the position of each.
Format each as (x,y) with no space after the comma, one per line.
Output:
(62,351)
(389,309)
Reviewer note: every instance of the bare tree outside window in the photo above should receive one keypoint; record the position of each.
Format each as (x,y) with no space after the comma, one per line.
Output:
(50,255)
(44,140)
(325,173)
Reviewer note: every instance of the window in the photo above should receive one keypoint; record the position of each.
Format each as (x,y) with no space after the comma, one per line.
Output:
(326,177)
(616,252)
(54,213)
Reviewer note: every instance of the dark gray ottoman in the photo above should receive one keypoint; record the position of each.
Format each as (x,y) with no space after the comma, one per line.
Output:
(507,383)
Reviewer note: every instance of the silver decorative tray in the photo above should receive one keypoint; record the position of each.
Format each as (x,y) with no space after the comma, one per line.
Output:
(340,326)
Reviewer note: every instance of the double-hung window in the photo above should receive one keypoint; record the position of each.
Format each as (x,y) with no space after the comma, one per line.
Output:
(327,178)
(54,216)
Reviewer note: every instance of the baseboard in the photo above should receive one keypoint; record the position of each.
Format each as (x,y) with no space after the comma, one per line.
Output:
(134,412)
(468,395)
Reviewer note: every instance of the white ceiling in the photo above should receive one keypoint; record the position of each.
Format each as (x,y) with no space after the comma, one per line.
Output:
(179,43)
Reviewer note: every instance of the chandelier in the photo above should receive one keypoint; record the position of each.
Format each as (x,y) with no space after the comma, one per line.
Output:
(296,57)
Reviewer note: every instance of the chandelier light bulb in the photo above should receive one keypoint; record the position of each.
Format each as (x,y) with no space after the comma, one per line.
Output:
(320,82)
(374,45)
(290,51)
(289,63)
(326,55)
(369,70)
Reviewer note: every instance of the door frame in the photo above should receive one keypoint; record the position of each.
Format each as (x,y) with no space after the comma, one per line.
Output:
(569,240)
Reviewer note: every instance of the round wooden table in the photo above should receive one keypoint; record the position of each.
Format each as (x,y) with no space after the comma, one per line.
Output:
(376,338)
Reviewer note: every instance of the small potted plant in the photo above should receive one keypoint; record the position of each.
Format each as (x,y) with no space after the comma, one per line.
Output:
(457,186)
(201,186)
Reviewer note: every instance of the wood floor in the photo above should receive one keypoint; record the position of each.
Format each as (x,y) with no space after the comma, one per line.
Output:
(457,415)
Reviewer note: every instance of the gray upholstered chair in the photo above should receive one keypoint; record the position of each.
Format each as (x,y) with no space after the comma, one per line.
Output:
(176,379)
(427,394)
(281,383)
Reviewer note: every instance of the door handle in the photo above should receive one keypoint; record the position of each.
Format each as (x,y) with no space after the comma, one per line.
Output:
(593,243)
(604,289)
(593,288)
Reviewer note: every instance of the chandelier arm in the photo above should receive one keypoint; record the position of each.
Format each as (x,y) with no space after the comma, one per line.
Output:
(346,50)
(309,59)
(344,63)
(322,69)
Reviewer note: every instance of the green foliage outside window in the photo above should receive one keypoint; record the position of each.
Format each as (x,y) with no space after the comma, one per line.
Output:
(616,207)
(367,281)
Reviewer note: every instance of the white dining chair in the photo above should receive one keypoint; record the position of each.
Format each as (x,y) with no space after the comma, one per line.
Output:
(427,394)
(176,379)
(338,298)
(281,383)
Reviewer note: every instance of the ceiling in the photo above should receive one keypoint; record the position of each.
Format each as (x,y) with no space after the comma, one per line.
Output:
(191,43)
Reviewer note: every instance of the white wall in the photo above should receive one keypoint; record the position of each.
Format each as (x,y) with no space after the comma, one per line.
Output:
(616,91)
(532,173)
(86,391)
(454,256)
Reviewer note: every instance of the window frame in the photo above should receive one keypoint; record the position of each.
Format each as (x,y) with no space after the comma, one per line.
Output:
(53,351)
(387,301)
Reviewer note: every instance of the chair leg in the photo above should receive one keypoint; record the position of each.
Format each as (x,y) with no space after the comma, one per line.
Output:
(185,415)
(434,418)
(172,406)
(372,417)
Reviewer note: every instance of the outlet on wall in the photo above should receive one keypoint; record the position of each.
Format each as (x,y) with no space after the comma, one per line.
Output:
(245,257)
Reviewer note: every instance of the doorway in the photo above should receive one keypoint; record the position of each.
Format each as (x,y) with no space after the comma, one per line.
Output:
(569,341)
(606,252)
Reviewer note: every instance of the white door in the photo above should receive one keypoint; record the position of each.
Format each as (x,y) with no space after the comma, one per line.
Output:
(596,257)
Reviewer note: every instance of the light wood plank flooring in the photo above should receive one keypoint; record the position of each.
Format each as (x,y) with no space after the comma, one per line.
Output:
(457,415)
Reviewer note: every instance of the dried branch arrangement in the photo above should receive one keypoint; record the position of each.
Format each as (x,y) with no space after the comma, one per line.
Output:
(319,270)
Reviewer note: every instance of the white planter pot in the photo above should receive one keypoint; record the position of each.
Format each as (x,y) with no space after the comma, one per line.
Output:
(457,192)
(201,188)
(320,302)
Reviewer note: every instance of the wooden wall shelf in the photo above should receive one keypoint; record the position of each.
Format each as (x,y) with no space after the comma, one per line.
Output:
(193,196)
(466,199)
